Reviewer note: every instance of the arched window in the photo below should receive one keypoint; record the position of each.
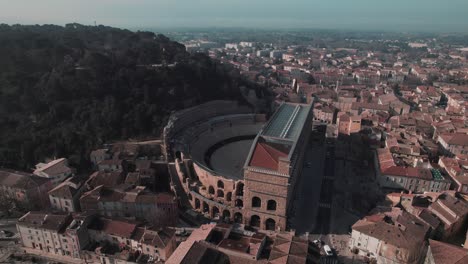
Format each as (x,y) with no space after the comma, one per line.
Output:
(197,203)
(226,215)
(256,202)
(211,190)
(271,205)
(220,194)
(221,184)
(239,203)
(270,224)
(238,218)
(214,212)
(255,221)
(240,189)
(229,196)
(206,208)
(190,197)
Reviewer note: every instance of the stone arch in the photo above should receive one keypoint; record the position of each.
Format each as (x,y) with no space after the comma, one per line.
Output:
(190,197)
(211,190)
(238,217)
(229,196)
(270,224)
(197,203)
(255,221)
(214,212)
(221,184)
(178,155)
(226,215)
(271,205)
(220,194)
(239,203)
(205,208)
(256,202)
(240,189)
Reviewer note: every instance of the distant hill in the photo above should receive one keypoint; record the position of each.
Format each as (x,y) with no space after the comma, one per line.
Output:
(66,90)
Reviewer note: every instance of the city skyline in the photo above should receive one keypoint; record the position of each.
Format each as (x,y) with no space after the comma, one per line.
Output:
(419,15)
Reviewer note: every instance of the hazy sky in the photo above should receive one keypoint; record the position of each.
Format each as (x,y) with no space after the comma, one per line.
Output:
(401,15)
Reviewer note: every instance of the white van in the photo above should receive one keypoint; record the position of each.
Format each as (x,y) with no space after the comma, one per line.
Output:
(328,250)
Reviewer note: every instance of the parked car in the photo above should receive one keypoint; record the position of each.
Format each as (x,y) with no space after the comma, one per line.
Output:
(328,250)
(5,234)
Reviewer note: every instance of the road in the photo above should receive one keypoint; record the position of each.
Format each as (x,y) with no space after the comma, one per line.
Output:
(308,193)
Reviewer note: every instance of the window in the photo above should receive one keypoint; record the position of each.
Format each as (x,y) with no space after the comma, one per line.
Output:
(66,203)
(271,205)
(256,202)
(64,240)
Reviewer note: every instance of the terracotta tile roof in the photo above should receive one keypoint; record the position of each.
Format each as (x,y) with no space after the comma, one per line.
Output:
(65,189)
(42,220)
(160,238)
(21,180)
(288,249)
(54,167)
(266,156)
(444,253)
(412,232)
(108,179)
(114,227)
(200,234)
(449,209)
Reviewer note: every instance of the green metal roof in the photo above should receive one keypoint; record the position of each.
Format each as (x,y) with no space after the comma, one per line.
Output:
(287,122)
(437,175)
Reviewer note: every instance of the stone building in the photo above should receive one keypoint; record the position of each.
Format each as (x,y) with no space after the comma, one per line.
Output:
(30,191)
(390,237)
(56,170)
(66,196)
(274,165)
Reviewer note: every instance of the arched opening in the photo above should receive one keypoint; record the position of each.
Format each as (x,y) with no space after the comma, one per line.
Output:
(270,224)
(255,221)
(214,212)
(256,202)
(206,208)
(190,197)
(197,203)
(238,218)
(211,190)
(226,215)
(229,196)
(271,205)
(178,155)
(239,203)
(220,194)
(240,189)
(221,184)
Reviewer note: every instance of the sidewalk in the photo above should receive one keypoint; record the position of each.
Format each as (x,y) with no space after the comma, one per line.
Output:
(52,257)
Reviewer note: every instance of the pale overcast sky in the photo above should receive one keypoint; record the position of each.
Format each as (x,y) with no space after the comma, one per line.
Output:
(401,15)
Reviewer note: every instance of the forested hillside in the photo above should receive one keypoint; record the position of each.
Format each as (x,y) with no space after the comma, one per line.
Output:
(66,90)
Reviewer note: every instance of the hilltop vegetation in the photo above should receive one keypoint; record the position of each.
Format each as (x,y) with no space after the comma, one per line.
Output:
(66,90)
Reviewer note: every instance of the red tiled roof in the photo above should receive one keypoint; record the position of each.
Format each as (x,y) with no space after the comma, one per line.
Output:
(266,156)
(118,228)
(444,253)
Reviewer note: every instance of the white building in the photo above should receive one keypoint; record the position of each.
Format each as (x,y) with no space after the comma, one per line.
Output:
(57,170)
(66,196)
(231,46)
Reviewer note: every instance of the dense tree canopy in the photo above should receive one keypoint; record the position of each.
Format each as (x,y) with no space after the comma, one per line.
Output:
(66,90)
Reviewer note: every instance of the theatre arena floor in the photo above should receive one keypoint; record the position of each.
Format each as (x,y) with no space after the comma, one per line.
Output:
(228,160)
